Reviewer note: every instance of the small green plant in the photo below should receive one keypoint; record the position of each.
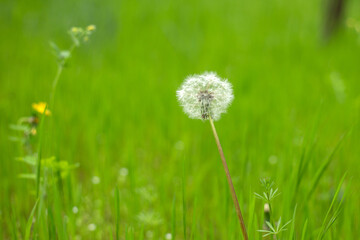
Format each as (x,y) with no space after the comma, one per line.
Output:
(78,36)
(274,230)
(269,193)
(28,128)
(270,228)
(45,171)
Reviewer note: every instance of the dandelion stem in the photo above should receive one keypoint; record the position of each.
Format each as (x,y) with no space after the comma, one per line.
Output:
(231,186)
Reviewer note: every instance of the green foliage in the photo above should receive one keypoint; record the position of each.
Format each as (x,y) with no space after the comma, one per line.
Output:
(269,194)
(30,222)
(274,230)
(117,118)
(329,220)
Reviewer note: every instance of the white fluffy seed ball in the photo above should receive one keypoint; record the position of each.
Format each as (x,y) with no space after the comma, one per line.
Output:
(206,95)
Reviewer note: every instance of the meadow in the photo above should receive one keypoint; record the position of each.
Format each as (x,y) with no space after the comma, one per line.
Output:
(120,159)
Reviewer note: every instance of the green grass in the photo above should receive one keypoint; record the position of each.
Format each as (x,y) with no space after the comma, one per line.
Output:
(115,108)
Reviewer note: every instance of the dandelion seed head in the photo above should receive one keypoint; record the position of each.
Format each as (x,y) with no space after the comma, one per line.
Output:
(273,159)
(206,95)
(179,145)
(91,227)
(149,234)
(123,172)
(95,180)
(75,210)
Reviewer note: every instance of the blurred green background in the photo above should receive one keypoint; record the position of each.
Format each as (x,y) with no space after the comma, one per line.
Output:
(116,108)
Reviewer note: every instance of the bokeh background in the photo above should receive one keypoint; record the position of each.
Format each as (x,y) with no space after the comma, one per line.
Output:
(116,113)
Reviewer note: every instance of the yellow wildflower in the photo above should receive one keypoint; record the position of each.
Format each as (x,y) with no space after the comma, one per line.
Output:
(91,28)
(75,29)
(33,131)
(40,108)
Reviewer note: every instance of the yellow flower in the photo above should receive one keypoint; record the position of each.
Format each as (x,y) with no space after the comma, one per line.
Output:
(33,131)
(40,108)
(75,29)
(91,28)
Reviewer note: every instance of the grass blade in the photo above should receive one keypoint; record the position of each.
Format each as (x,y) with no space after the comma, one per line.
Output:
(183,201)
(322,230)
(292,230)
(117,212)
(194,222)
(173,218)
(303,234)
(30,221)
(325,165)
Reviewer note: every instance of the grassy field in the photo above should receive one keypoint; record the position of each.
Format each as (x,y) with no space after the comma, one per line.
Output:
(142,168)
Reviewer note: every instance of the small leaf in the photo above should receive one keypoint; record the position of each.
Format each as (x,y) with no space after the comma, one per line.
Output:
(259,196)
(64,54)
(55,48)
(270,226)
(48,162)
(29,159)
(19,127)
(27,176)
(16,139)
(278,225)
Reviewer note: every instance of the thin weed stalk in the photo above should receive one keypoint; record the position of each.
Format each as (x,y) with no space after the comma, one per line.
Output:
(60,68)
(231,186)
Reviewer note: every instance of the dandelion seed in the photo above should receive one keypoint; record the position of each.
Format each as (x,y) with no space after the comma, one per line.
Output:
(149,234)
(95,180)
(149,218)
(75,210)
(40,108)
(168,236)
(179,145)
(204,96)
(273,159)
(123,172)
(92,227)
